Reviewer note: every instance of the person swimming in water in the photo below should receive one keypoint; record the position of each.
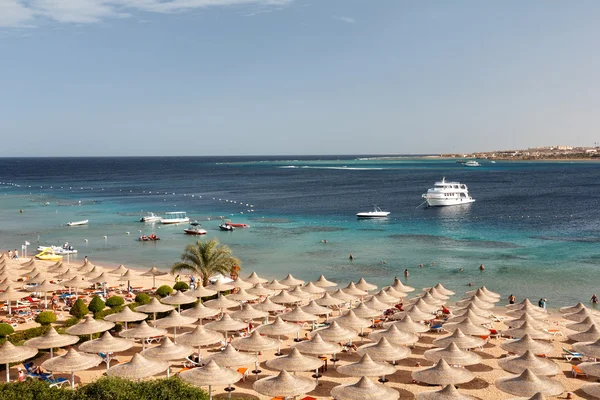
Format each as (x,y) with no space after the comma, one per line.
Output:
(351,257)
(481,267)
(406,273)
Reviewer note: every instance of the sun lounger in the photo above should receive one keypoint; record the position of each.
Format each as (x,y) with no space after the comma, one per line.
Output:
(244,372)
(34,375)
(572,355)
(576,371)
(555,332)
(436,328)
(495,334)
(56,382)
(106,357)
(496,318)
(154,339)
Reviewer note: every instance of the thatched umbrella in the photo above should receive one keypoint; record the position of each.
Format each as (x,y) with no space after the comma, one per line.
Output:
(375,304)
(383,297)
(395,336)
(528,384)
(242,284)
(72,362)
(486,305)
(443,374)
(103,279)
(590,368)
(285,298)
(335,333)
(449,392)
(342,295)
(527,329)
(120,270)
(299,292)
(312,289)
(260,290)
(578,307)
(276,285)
(226,324)
(168,351)
(423,305)
(461,340)
(453,355)
(10,353)
(350,320)
(220,285)
(51,340)
(126,315)
(84,269)
(284,384)
(178,298)
(315,309)
(475,319)
(390,291)
(363,311)
(94,272)
(582,326)
(533,322)
(106,344)
(291,281)
(471,307)
(90,326)
(535,311)
(154,272)
(255,343)
(211,374)
(435,294)
(468,328)
(524,303)
(581,315)
(230,357)
(10,294)
(407,324)
(328,301)
(255,279)
(37,279)
(367,367)
(138,368)
(298,315)
(362,284)
(174,320)
(296,362)
(364,389)
(279,328)
(33,272)
(200,337)
(429,299)
(441,289)
(323,282)
(201,291)
(143,331)
(480,294)
(154,306)
(593,389)
(520,346)
(537,365)
(248,313)
(589,349)
(383,350)
(221,303)
(591,335)
(399,286)
(415,313)
(352,290)
(76,283)
(241,296)
(128,276)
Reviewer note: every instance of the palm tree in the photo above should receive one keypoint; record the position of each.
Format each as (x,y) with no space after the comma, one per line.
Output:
(206,259)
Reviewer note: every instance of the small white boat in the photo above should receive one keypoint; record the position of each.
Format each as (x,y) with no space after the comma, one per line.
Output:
(150,217)
(376,213)
(175,217)
(77,223)
(472,163)
(65,249)
(447,194)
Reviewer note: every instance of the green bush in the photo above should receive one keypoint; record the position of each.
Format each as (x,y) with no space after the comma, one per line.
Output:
(45,318)
(33,390)
(115,301)
(96,305)
(164,291)
(20,336)
(71,321)
(108,311)
(142,299)
(5,330)
(79,309)
(181,286)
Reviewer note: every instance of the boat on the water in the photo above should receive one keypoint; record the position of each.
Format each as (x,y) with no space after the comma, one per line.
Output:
(150,217)
(77,223)
(237,225)
(65,249)
(175,217)
(48,255)
(195,229)
(472,163)
(447,194)
(376,213)
(226,227)
(149,238)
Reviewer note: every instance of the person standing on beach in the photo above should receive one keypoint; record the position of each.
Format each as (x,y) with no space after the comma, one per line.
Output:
(85,260)
(16,254)
(512,299)
(9,254)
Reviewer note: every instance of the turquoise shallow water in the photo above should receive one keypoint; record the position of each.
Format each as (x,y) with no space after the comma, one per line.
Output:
(535,226)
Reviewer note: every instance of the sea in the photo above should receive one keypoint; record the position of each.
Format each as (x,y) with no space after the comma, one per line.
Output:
(535,225)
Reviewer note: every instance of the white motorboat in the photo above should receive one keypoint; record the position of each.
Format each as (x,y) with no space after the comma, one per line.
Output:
(472,163)
(174,217)
(376,213)
(195,229)
(77,223)
(447,194)
(65,249)
(150,217)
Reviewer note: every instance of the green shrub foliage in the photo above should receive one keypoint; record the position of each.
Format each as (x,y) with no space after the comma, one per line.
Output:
(79,309)
(115,301)
(45,318)
(96,305)
(5,330)
(164,291)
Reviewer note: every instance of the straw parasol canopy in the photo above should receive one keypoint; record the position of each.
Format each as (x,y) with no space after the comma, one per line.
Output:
(226,324)
(85,268)
(95,271)
(127,276)
(449,392)
(200,311)
(241,295)
(443,374)
(72,362)
(471,307)
(431,299)
(527,328)
(593,389)
(230,357)
(317,346)
(535,311)
(366,367)
(475,319)
(220,285)
(139,367)
(406,324)
(395,336)
(520,346)
(285,298)
(383,350)
(291,281)
(33,272)
(255,343)
(533,322)
(435,294)
(298,315)
(582,326)
(143,331)
(453,355)
(362,284)
(327,301)
(167,350)
(350,320)
(589,349)
(323,282)
(578,307)
(486,305)
(211,374)
(311,288)
(275,285)
(102,278)
(394,293)
(295,362)
(9,353)
(126,315)
(468,328)
(242,284)
(528,384)
(364,389)
(441,289)
(174,320)
(399,286)
(524,303)
(461,340)
(315,309)
(255,279)
(362,311)
(537,365)
(51,340)
(37,279)
(279,328)
(351,289)
(178,298)
(415,313)
(248,312)
(335,333)
(106,344)
(120,270)
(154,272)
(90,326)
(481,295)
(590,368)
(423,305)
(581,315)
(375,304)
(44,287)
(76,283)
(342,295)
(260,290)
(200,337)
(201,291)
(268,306)
(221,303)
(153,307)
(299,292)
(386,298)
(284,384)
(591,335)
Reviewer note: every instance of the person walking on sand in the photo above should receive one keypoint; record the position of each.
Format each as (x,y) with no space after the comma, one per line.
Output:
(594,299)
(15,255)
(85,260)
(9,254)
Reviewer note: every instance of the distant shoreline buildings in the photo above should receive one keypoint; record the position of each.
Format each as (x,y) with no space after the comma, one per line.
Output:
(535,153)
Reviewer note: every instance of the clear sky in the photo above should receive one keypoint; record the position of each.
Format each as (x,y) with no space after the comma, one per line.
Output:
(216,77)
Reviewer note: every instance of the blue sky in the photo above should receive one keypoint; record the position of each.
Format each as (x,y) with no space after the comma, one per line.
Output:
(213,77)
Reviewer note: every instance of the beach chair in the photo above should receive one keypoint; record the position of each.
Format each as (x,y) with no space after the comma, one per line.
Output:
(106,357)
(154,339)
(34,375)
(496,334)
(436,328)
(496,318)
(576,371)
(56,382)
(244,372)
(572,355)
(555,332)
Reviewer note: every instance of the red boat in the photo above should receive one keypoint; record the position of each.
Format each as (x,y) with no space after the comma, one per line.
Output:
(149,238)
(237,225)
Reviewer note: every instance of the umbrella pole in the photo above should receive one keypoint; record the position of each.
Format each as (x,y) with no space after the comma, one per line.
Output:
(125,325)
(46,300)
(278,346)
(72,380)
(169,372)
(7,372)
(210,392)
(174,333)
(51,352)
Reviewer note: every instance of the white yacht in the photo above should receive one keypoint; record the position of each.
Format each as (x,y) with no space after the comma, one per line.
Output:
(175,217)
(472,163)
(150,217)
(447,194)
(376,213)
